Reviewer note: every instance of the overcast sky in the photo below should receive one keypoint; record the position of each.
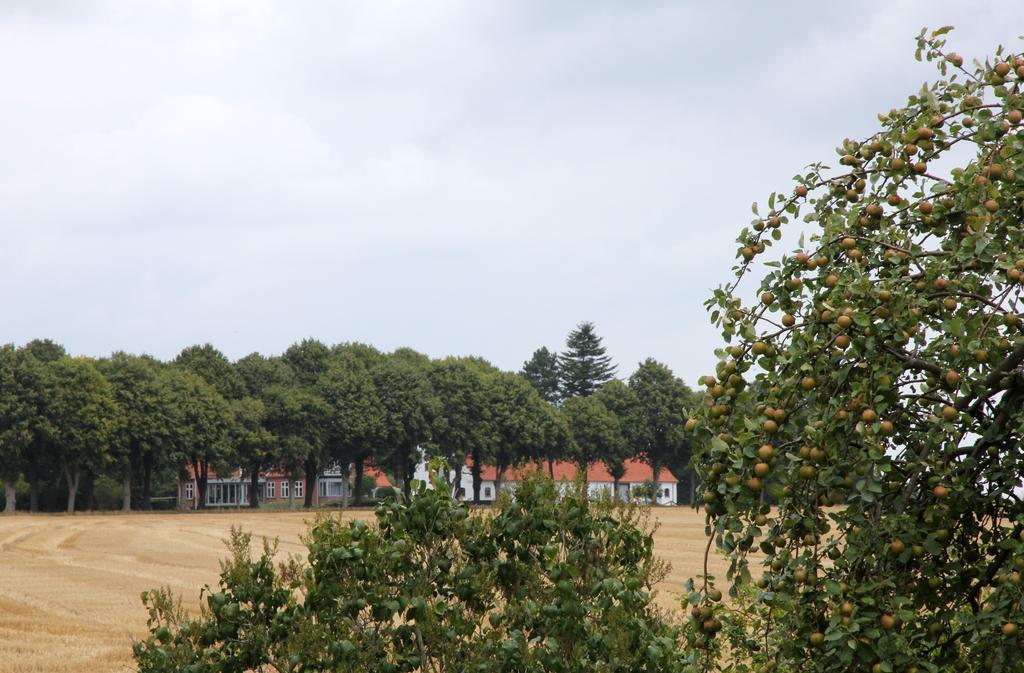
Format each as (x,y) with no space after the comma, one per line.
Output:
(458,177)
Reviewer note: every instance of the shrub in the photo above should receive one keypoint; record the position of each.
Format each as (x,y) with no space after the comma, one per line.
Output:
(547,582)
(386,493)
(108,493)
(367,485)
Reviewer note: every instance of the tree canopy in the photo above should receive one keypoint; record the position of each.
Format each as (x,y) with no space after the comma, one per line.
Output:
(596,432)
(15,422)
(662,400)
(314,409)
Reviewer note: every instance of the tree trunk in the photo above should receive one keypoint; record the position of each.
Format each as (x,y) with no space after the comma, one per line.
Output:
(201,471)
(551,467)
(399,470)
(615,488)
(10,496)
(475,470)
(73,477)
(126,489)
(408,468)
(453,478)
(289,478)
(498,472)
(254,486)
(311,475)
(89,492)
(358,497)
(147,480)
(134,459)
(655,469)
(33,480)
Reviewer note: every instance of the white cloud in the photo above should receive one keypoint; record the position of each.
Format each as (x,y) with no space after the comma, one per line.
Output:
(454,176)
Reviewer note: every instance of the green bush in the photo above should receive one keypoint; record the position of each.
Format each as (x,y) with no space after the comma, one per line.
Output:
(544,583)
(107,493)
(367,485)
(386,493)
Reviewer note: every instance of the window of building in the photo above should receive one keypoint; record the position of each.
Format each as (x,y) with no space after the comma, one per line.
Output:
(190,491)
(223,494)
(487,491)
(299,489)
(270,490)
(284,489)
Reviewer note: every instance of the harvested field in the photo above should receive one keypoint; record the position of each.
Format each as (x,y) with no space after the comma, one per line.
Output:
(70,585)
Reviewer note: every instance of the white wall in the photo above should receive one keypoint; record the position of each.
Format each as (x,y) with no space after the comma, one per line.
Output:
(465,482)
(663,498)
(594,488)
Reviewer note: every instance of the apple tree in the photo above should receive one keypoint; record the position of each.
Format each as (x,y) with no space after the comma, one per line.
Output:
(874,389)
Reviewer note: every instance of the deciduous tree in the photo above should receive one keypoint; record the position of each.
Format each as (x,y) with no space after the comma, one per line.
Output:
(214,367)
(556,441)
(200,427)
(356,422)
(889,352)
(308,359)
(40,458)
(259,373)
(595,430)
(15,422)
(84,418)
(252,440)
(410,411)
(663,400)
(516,420)
(298,418)
(622,401)
(460,429)
(146,407)
(258,447)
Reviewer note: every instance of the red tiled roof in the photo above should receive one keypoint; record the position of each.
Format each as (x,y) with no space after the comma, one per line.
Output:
(378,475)
(272,473)
(636,472)
(380,478)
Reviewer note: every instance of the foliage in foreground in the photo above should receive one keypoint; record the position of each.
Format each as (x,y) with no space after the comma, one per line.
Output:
(875,390)
(548,582)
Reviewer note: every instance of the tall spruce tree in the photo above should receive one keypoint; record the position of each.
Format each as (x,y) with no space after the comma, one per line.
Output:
(584,367)
(541,370)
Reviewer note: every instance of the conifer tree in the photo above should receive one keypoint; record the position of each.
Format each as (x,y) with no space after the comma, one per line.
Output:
(541,370)
(584,366)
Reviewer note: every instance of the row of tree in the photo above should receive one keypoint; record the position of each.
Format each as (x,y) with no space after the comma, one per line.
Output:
(70,420)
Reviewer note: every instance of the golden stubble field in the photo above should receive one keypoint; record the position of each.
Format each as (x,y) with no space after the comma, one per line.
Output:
(70,585)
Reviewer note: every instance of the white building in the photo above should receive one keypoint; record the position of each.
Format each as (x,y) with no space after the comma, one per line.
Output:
(634,482)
